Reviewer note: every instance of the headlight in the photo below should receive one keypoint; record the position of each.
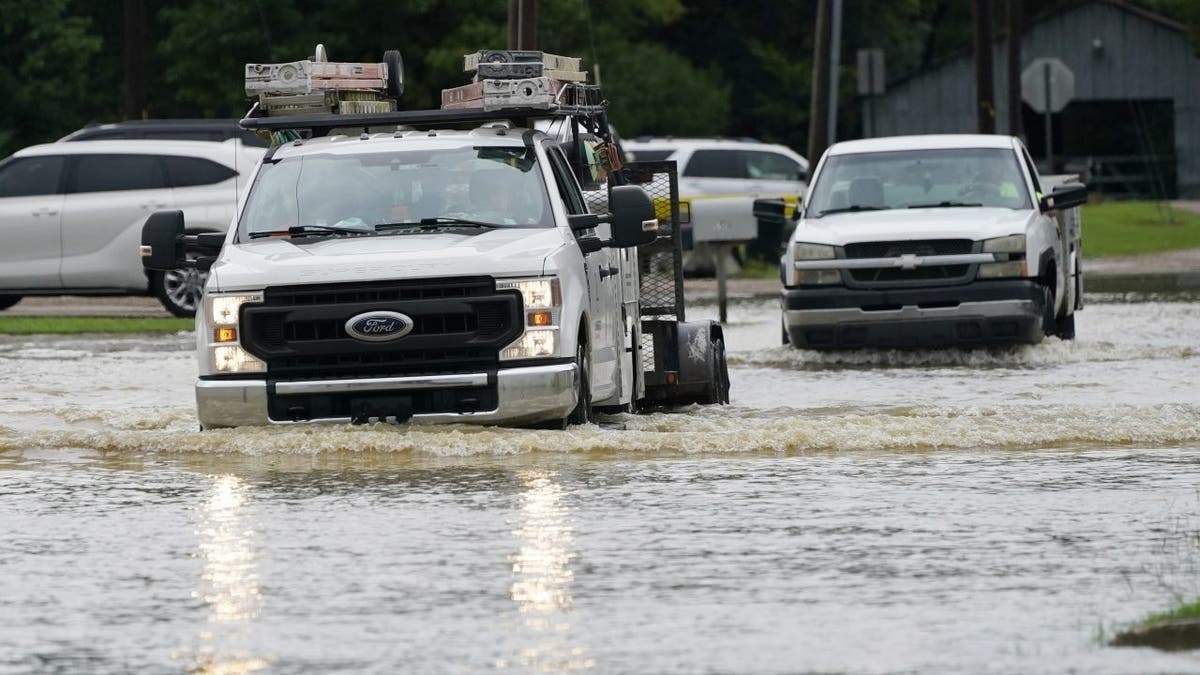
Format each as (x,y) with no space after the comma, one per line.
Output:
(224,346)
(813,251)
(999,270)
(234,359)
(542,299)
(542,293)
(1009,253)
(806,251)
(817,277)
(1013,244)
(224,308)
(532,344)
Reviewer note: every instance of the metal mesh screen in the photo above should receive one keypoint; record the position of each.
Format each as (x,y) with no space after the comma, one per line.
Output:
(661,261)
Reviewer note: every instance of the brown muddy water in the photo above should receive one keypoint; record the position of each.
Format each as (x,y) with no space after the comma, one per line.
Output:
(884,512)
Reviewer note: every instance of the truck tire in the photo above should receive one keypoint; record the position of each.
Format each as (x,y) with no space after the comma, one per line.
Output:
(7,301)
(783,327)
(179,291)
(1065,327)
(1049,323)
(582,414)
(395,79)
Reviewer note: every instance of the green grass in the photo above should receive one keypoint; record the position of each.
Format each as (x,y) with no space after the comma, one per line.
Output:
(63,325)
(1129,227)
(758,269)
(1188,611)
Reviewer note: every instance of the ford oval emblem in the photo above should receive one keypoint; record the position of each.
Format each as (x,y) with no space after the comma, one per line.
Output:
(379,326)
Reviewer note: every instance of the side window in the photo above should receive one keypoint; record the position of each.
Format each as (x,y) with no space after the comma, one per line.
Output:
(716,164)
(107,173)
(31,176)
(1032,171)
(771,166)
(191,171)
(568,189)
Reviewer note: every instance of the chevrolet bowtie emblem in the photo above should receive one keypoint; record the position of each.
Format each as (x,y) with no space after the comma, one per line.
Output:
(909,261)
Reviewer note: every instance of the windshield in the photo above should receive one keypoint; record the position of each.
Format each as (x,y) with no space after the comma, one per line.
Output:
(494,185)
(959,177)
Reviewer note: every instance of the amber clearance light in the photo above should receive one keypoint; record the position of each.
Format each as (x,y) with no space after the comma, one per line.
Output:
(540,318)
(226,334)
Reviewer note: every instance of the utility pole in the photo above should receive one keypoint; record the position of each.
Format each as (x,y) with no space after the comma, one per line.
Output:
(522,24)
(818,127)
(135,59)
(1016,126)
(835,64)
(985,104)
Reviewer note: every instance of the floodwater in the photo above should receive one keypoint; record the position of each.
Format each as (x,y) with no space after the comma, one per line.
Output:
(1000,511)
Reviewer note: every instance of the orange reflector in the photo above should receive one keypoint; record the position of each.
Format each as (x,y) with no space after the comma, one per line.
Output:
(540,318)
(670,378)
(226,334)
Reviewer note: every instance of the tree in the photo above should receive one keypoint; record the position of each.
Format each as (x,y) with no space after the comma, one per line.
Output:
(47,75)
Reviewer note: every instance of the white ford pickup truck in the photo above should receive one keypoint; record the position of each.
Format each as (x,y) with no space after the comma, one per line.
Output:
(440,266)
(930,241)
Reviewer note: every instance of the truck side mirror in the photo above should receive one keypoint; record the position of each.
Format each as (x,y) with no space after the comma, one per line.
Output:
(632,216)
(207,246)
(1064,197)
(775,211)
(162,241)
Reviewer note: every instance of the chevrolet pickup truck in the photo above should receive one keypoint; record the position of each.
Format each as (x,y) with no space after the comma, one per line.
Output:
(931,241)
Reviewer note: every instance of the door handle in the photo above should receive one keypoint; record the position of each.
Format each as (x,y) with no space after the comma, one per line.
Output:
(45,211)
(154,205)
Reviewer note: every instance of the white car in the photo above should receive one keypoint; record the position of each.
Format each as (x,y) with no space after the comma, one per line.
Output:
(71,214)
(717,166)
(928,241)
(719,179)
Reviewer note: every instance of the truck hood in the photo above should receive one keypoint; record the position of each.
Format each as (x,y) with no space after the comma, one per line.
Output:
(281,261)
(957,223)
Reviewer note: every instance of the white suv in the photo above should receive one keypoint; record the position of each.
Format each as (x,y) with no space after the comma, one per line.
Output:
(718,179)
(71,214)
(709,166)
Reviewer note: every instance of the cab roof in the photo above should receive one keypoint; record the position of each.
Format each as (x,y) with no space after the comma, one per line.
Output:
(496,136)
(922,142)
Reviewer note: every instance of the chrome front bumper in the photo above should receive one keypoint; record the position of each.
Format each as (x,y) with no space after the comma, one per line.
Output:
(915,327)
(526,396)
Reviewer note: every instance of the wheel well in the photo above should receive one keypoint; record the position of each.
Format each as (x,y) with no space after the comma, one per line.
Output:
(583,338)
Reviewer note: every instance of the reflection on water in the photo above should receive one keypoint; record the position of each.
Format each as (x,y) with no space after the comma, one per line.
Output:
(230,582)
(542,577)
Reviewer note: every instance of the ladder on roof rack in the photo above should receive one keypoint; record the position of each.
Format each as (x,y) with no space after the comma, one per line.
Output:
(321,124)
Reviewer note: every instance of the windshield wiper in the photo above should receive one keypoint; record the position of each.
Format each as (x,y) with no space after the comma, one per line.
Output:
(855,207)
(943,205)
(436,223)
(296,230)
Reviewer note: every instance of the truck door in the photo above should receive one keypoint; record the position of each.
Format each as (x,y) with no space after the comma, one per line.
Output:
(604,290)
(31,200)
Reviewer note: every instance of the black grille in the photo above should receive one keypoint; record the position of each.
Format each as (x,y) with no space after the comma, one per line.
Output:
(931,272)
(893,249)
(920,247)
(459,325)
(389,291)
